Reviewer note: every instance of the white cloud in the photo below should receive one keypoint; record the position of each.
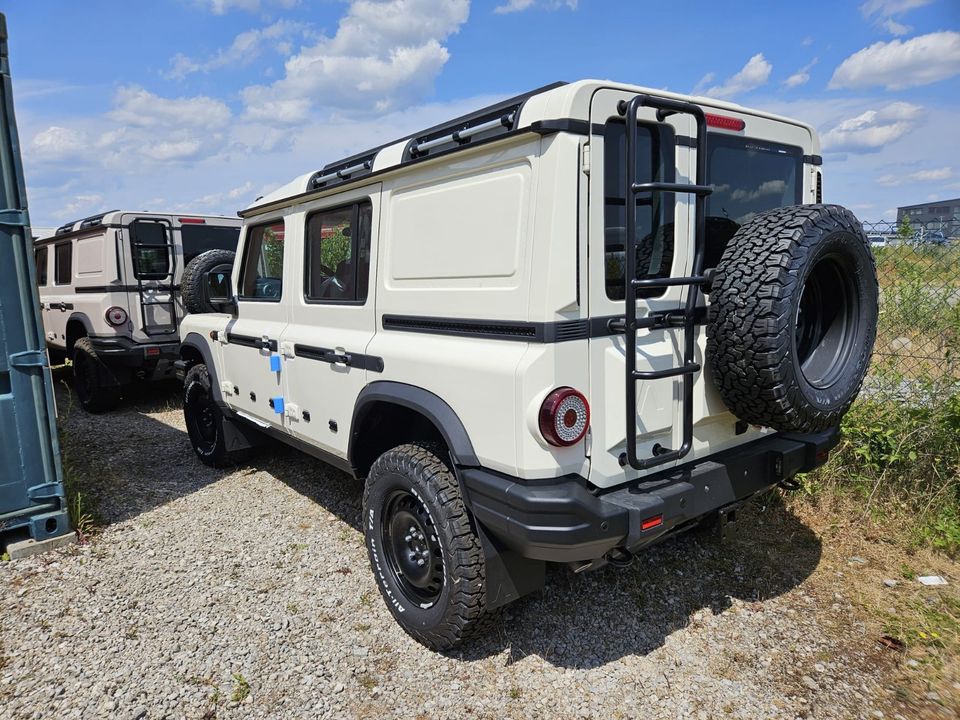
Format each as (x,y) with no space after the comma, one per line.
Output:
(801,76)
(137,107)
(79,205)
(935,175)
(512,6)
(887,8)
(384,56)
(901,64)
(222,7)
(58,143)
(245,48)
(895,28)
(751,76)
(872,129)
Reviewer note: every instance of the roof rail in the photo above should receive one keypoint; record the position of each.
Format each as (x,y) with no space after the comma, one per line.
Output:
(485,123)
(87,222)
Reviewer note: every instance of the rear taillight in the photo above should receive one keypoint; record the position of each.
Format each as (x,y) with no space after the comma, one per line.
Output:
(116,316)
(564,417)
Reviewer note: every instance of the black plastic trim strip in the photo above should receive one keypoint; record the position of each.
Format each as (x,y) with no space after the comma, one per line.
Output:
(686,141)
(123,288)
(250,341)
(518,331)
(350,359)
(813,160)
(567,125)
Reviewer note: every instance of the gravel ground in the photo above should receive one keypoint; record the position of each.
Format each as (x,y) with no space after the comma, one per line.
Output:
(247,594)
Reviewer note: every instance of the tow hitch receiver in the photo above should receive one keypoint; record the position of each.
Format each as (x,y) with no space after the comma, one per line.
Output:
(727,524)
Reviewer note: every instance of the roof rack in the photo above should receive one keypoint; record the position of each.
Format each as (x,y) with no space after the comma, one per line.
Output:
(482,124)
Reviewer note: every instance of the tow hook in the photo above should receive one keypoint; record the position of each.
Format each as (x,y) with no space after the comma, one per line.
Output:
(789,484)
(727,524)
(619,557)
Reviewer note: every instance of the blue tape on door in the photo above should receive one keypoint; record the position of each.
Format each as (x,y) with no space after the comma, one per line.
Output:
(274,363)
(278,405)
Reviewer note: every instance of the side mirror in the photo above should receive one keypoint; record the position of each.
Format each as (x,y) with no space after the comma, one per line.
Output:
(219,288)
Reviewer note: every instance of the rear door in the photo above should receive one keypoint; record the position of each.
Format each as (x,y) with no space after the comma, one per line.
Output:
(332,319)
(663,234)
(251,377)
(153,266)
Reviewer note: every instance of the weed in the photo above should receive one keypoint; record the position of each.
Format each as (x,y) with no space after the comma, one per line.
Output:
(241,688)
(5,557)
(361,627)
(366,599)
(367,681)
(515,693)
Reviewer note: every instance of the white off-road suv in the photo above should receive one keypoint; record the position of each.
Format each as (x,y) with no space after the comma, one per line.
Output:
(558,329)
(110,293)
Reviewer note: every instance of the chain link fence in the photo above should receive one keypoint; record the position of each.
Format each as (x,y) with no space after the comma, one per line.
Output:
(915,359)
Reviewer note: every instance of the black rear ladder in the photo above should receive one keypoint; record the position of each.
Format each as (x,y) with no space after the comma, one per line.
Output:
(685,319)
(153,329)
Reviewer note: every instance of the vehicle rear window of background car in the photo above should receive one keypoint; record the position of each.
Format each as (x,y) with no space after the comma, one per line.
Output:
(63,263)
(655,163)
(40,259)
(151,252)
(338,254)
(262,275)
(198,238)
(748,177)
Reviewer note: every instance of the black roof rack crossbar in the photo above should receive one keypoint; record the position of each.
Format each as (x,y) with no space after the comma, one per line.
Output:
(87,222)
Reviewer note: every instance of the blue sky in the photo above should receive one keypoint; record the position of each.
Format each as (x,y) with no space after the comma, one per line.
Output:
(202,105)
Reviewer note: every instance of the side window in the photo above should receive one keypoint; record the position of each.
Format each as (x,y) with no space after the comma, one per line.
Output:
(63,263)
(151,251)
(40,258)
(262,273)
(655,163)
(338,254)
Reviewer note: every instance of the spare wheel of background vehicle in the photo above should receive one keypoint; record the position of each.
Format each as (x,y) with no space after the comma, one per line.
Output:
(793,317)
(424,553)
(193,284)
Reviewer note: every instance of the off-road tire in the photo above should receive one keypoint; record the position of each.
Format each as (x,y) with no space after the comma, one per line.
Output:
(193,283)
(459,610)
(767,361)
(205,421)
(96,386)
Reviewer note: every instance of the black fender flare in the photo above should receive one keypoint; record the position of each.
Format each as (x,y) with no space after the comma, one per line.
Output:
(427,404)
(83,319)
(200,344)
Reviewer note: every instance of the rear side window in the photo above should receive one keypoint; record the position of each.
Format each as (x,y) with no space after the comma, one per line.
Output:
(748,177)
(40,258)
(655,163)
(151,249)
(262,274)
(198,238)
(338,255)
(63,263)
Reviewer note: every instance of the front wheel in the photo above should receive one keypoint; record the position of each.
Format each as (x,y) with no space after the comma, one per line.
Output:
(425,555)
(205,421)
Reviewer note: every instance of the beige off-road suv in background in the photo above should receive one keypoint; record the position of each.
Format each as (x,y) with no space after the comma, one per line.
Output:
(110,293)
(559,329)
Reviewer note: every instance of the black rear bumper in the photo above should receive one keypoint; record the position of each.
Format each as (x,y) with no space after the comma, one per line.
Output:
(562,520)
(119,351)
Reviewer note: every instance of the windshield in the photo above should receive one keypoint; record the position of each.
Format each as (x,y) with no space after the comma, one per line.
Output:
(197,238)
(748,177)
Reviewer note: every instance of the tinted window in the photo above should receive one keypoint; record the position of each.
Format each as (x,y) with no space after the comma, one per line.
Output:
(151,256)
(197,238)
(655,163)
(263,262)
(63,263)
(748,177)
(338,254)
(40,258)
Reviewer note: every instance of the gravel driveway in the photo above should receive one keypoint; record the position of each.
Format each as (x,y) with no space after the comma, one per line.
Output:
(247,594)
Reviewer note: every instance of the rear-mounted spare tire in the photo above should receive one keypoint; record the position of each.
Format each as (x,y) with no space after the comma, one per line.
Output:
(193,284)
(793,317)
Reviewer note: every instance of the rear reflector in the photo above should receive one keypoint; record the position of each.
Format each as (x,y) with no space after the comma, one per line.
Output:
(725,123)
(652,522)
(191,221)
(823,456)
(151,351)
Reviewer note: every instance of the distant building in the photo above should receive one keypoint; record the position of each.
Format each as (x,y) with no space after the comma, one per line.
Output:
(942,215)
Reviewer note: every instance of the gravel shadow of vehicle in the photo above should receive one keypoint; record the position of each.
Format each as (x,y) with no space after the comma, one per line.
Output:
(577,621)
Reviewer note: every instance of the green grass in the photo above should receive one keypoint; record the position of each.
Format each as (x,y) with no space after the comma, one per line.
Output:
(241,688)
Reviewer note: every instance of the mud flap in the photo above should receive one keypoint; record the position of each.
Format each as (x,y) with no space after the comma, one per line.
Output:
(509,575)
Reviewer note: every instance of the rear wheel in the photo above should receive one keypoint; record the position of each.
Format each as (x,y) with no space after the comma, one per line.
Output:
(205,421)
(96,387)
(425,555)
